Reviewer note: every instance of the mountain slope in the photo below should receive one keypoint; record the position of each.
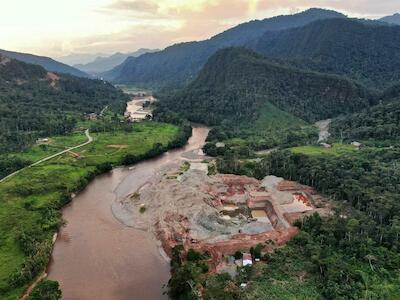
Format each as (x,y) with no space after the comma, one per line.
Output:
(106,63)
(394,19)
(181,62)
(235,82)
(368,52)
(381,122)
(378,123)
(48,63)
(34,102)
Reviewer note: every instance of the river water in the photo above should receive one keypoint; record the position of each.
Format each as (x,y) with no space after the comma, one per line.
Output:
(95,256)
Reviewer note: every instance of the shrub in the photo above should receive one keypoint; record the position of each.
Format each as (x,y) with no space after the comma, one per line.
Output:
(238,255)
(193,255)
(104,168)
(46,290)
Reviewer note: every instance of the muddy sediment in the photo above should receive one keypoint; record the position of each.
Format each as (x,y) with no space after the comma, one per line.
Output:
(96,256)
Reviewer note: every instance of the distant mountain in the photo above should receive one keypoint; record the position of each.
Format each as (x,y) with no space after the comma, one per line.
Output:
(181,62)
(46,62)
(79,58)
(35,102)
(106,63)
(365,51)
(394,19)
(236,84)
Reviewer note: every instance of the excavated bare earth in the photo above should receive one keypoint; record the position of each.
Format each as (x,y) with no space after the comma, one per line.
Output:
(220,214)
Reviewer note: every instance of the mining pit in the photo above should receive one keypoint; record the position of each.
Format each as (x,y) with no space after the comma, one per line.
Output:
(220,213)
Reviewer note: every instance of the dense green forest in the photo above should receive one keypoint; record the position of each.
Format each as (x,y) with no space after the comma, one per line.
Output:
(378,124)
(235,83)
(32,104)
(365,51)
(180,63)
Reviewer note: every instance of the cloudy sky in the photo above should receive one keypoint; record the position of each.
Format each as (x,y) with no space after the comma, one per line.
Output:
(60,27)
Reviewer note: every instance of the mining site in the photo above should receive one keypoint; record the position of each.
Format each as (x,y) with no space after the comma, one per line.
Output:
(184,205)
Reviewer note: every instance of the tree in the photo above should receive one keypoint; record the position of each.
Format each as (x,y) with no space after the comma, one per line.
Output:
(46,290)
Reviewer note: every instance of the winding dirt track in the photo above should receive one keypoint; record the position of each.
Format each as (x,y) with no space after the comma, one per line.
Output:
(90,139)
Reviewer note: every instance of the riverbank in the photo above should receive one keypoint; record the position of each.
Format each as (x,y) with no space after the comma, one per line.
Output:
(96,256)
(30,202)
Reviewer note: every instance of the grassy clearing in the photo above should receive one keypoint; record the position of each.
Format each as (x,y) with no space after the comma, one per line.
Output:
(54,145)
(273,127)
(30,201)
(315,150)
(272,118)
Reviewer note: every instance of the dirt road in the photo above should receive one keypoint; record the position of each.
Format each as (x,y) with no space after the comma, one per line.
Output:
(90,139)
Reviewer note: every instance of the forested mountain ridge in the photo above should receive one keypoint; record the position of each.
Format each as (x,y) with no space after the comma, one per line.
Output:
(365,51)
(394,19)
(180,63)
(106,63)
(34,102)
(48,63)
(235,83)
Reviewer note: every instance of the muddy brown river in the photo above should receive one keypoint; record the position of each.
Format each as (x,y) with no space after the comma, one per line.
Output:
(95,256)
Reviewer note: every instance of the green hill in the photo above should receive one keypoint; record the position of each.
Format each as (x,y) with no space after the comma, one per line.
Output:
(35,103)
(235,84)
(365,51)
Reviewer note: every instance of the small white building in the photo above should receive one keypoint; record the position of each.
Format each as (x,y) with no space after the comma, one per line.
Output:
(247,259)
(42,141)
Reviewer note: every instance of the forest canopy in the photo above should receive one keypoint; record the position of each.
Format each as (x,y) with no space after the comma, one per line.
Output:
(36,103)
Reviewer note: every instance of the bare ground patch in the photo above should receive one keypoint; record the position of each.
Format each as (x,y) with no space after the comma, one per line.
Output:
(117,146)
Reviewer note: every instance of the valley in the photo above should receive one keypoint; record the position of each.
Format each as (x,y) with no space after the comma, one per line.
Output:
(261,162)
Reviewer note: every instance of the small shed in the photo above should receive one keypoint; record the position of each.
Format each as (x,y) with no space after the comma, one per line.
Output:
(356,144)
(247,259)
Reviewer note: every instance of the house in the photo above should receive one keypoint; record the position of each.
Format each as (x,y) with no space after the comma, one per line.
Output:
(247,259)
(42,141)
(91,116)
(356,144)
